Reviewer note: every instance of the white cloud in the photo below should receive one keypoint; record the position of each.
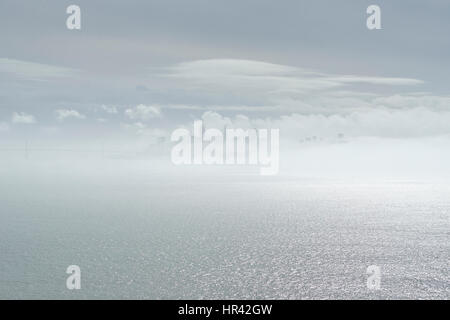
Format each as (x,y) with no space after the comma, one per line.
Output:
(143,112)
(62,114)
(23,118)
(109,109)
(224,108)
(253,76)
(207,68)
(329,103)
(247,77)
(383,122)
(33,71)
(376,80)
(413,101)
(254,86)
(213,119)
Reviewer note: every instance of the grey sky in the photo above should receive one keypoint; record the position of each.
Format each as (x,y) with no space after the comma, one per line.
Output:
(167,53)
(328,35)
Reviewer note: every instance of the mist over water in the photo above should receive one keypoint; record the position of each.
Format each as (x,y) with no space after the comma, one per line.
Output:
(92,96)
(144,229)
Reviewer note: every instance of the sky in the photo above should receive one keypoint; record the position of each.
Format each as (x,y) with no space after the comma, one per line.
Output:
(137,70)
(362,173)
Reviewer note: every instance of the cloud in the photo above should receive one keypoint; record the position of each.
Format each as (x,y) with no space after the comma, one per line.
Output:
(213,119)
(376,80)
(62,114)
(143,112)
(225,69)
(210,67)
(23,118)
(403,101)
(384,122)
(109,109)
(33,71)
(224,108)
(247,77)
(300,102)
(256,75)
(328,103)
(248,85)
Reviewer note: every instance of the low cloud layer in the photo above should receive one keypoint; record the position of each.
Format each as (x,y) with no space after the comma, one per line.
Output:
(63,114)
(243,93)
(26,70)
(143,112)
(22,118)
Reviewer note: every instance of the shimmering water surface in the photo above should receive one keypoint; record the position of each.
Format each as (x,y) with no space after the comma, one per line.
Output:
(163,238)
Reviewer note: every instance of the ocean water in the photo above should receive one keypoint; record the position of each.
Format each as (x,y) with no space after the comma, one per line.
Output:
(158,237)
